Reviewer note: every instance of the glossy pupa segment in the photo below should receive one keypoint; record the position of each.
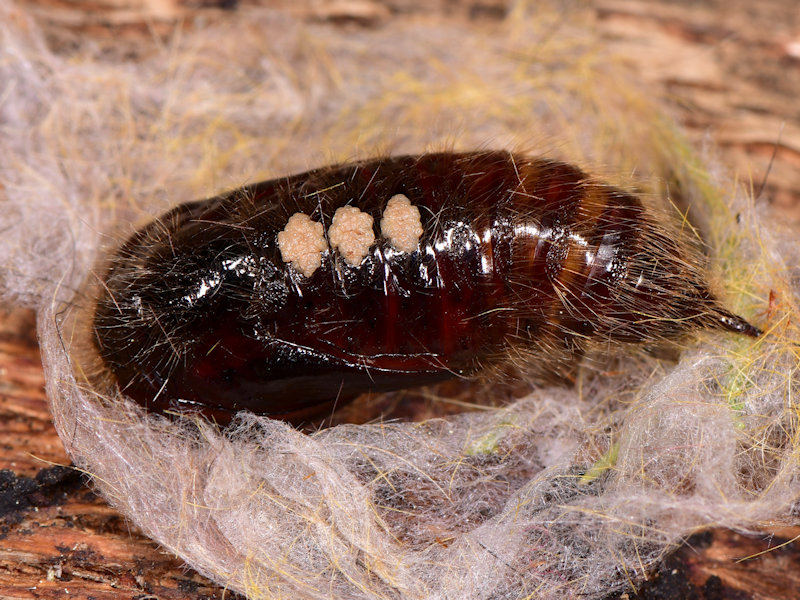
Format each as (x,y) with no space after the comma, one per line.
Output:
(518,257)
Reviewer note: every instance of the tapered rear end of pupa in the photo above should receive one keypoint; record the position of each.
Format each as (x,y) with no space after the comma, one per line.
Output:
(724,319)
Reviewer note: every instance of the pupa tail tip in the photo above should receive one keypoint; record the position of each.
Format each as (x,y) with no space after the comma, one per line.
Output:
(737,324)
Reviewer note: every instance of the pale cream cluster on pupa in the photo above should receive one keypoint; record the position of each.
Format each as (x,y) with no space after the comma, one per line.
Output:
(302,241)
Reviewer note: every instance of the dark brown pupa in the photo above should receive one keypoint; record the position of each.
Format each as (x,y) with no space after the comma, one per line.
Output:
(517,256)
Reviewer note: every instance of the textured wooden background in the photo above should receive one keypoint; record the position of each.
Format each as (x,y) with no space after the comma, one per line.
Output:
(732,71)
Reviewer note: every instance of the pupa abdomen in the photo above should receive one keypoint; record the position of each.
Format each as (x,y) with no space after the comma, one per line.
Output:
(286,296)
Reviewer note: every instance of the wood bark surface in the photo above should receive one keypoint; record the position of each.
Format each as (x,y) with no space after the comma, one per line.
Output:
(733,71)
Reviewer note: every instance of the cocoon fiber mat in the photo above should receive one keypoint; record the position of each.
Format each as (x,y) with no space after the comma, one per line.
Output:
(531,489)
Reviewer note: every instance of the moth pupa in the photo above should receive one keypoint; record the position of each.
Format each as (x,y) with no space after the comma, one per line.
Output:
(286,296)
